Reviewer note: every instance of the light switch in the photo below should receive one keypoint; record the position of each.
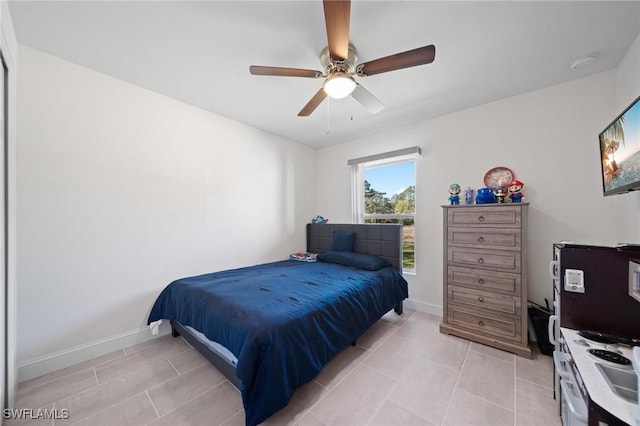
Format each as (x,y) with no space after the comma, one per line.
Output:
(574,280)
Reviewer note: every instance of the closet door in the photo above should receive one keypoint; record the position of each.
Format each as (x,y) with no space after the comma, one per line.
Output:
(3,233)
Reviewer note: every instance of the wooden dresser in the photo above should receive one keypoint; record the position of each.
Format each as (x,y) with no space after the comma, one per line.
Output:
(485,275)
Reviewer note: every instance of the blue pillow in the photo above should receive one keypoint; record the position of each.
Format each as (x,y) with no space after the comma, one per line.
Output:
(367,262)
(342,240)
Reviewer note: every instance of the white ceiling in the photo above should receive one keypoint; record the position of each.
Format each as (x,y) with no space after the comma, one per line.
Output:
(200,52)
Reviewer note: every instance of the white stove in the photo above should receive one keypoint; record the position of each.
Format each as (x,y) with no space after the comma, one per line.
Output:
(582,379)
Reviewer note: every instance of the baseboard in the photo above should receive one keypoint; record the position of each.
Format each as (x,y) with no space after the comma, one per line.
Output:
(57,360)
(47,363)
(423,307)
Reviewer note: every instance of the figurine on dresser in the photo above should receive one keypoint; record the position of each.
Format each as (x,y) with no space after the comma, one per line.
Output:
(454,194)
(515,191)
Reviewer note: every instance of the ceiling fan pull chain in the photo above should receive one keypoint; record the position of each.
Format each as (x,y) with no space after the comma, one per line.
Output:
(328,116)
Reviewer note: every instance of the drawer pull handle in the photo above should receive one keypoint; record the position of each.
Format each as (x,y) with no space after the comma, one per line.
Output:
(480,239)
(480,260)
(481,323)
(480,280)
(480,299)
(481,219)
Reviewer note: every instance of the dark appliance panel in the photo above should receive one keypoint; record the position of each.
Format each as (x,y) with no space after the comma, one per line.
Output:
(605,305)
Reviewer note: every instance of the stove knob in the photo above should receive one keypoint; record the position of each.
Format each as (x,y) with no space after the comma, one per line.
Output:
(581,341)
(612,348)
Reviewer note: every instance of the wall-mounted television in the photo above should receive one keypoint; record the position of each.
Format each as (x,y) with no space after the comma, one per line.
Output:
(620,152)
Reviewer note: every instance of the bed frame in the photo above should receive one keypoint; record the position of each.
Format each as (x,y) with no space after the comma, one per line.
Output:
(382,240)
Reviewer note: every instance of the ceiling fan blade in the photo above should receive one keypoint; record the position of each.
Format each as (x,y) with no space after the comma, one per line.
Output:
(367,100)
(337,15)
(410,58)
(313,103)
(284,72)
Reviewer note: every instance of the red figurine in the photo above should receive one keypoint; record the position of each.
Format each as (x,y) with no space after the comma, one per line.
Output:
(515,191)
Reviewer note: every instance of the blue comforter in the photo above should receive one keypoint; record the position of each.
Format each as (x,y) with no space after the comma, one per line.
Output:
(283,321)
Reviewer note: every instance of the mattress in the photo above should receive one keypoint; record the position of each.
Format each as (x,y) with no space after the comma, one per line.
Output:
(215,347)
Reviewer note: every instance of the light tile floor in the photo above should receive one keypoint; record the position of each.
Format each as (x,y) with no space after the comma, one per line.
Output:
(401,372)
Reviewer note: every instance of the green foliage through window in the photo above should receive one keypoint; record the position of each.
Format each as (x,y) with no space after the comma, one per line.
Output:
(377,202)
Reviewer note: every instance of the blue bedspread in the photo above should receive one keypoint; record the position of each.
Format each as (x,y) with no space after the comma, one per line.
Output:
(283,321)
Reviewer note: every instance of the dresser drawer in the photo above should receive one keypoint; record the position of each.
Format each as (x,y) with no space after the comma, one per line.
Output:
(503,327)
(478,258)
(499,238)
(485,216)
(484,280)
(502,303)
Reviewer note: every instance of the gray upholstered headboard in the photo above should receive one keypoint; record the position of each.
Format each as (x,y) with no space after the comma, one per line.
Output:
(383,240)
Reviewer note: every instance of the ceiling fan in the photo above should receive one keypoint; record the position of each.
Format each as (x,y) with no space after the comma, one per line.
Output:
(339,62)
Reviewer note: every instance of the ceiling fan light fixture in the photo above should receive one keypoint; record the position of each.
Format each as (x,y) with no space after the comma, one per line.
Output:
(339,85)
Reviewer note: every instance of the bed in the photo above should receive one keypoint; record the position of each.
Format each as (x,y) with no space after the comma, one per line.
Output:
(271,328)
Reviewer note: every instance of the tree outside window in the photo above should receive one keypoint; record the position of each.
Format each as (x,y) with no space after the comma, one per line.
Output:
(397,178)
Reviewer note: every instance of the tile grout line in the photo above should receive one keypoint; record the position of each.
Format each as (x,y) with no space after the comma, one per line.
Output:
(366,350)
(190,400)
(536,384)
(379,408)
(334,387)
(174,367)
(489,401)
(98,385)
(369,353)
(187,343)
(515,390)
(81,366)
(95,374)
(455,387)
(109,407)
(146,392)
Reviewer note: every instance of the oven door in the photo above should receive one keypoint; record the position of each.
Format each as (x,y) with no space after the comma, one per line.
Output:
(573,407)
(574,410)
(554,320)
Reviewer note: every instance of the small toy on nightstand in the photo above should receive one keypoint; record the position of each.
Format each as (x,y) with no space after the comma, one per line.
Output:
(515,191)
(454,194)
(319,219)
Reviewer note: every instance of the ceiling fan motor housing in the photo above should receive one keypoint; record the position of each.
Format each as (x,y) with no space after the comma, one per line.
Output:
(347,65)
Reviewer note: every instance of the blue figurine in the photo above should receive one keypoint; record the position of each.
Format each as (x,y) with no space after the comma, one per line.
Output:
(485,196)
(319,219)
(454,194)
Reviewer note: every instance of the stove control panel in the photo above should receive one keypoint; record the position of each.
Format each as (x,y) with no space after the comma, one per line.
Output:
(574,280)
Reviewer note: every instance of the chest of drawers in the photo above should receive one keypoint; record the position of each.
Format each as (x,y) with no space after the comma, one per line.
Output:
(485,281)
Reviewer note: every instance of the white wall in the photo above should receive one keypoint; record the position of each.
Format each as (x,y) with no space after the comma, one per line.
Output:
(121,190)
(627,207)
(547,137)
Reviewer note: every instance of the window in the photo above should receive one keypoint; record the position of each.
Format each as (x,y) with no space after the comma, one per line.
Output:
(384,191)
